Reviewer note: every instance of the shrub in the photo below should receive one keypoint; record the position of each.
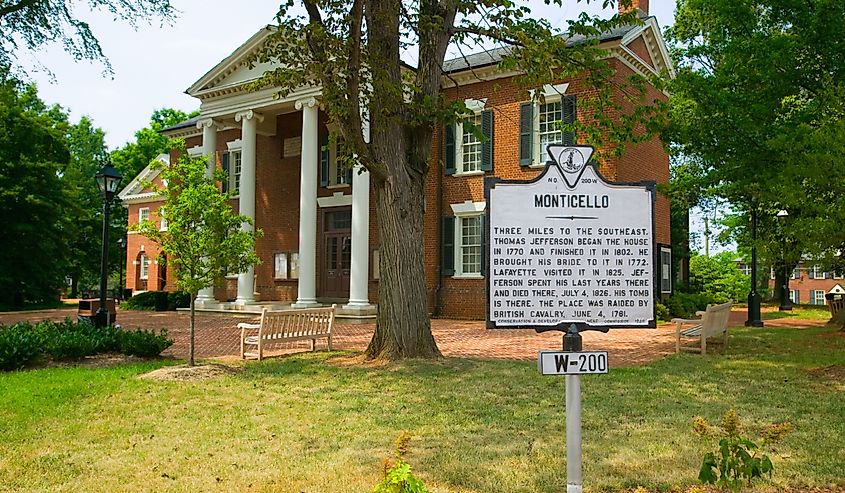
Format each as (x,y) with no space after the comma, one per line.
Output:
(684,305)
(158,300)
(718,277)
(662,312)
(70,344)
(20,345)
(178,299)
(144,343)
(398,477)
(106,339)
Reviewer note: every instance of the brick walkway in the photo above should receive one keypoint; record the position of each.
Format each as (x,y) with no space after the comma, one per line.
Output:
(218,337)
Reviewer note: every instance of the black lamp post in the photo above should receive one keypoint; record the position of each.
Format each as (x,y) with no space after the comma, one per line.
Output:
(108,179)
(785,301)
(122,243)
(754,318)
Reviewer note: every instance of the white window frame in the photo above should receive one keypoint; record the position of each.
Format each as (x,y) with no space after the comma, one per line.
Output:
(551,93)
(143,214)
(794,296)
(476,106)
(280,265)
(144,267)
(817,273)
(466,210)
(162,221)
(746,269)
(796,273)
(814,297)
(235,148)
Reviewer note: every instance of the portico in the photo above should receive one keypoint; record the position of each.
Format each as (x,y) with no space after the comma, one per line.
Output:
(284,175)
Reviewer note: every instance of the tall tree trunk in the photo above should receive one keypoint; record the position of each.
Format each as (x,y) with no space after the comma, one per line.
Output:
(403,328)
(191,341)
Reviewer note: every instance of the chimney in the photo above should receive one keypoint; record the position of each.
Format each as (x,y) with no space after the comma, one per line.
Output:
(641,5)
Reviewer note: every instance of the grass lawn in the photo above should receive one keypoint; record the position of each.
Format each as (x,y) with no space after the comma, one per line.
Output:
(311,424)
(800,312)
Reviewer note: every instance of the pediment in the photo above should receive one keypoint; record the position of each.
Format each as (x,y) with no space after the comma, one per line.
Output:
(233,71)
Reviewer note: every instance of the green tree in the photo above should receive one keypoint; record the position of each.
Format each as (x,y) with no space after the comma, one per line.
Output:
(352,50)
(758,106)
(133,157)
(33,154)
(205,239)
(31,25)
(718,277)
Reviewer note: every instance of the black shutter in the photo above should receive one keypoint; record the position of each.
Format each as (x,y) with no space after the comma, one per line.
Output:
(224,163)
(449,149)
(447,247)
(324,160)
(570,115)
(487,143)
(481,220)
(526,134)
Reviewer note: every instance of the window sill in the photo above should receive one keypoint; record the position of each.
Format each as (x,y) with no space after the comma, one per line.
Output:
(232,277)
(341,185)
(536,165)
(467,276)
(283,279)
(470,173)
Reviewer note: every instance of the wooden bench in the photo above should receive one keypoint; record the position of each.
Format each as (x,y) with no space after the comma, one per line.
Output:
(713,321)
(835,306)
(287,326)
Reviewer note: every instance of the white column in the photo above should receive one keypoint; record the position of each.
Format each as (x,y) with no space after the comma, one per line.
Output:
(249,121)
(209,149)
(307,295)
(359,298)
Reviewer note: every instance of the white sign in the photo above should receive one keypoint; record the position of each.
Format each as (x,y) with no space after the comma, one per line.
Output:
(569,247)
(570,363)
(292,147)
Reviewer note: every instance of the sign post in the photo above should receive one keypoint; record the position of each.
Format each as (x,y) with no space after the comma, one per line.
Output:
(570,251)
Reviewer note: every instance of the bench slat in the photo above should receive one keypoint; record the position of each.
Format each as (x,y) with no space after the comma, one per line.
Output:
(289,325)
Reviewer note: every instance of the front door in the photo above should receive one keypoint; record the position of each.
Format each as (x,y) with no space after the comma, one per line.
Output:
(337,253)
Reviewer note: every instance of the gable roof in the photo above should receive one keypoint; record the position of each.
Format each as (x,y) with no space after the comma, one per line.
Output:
(220,72)
(134,192)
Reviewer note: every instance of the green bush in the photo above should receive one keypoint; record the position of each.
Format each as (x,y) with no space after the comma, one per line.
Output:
(718,277)
(70,344)
(684,305)
(662,312)
(158,300)
(178,299)
(20,345)
(144,343)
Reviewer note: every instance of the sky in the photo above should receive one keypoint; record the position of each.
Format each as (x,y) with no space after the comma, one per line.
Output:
(155,64)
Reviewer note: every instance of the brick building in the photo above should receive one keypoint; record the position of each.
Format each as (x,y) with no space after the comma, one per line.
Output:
(320,240)
(808,283)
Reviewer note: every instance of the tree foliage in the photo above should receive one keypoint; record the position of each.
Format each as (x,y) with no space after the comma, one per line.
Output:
(352,50)
(133,157)
(718,277)
(758,106)
(27,26)
(205,238)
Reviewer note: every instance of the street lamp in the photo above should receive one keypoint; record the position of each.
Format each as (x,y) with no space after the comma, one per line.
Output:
(754,318)
(785,301)
(108,179)
(121,242)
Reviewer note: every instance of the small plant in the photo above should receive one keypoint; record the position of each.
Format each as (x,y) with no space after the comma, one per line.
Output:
(144,343)
(398,477)
(20,345)
(70,344)
(738,460)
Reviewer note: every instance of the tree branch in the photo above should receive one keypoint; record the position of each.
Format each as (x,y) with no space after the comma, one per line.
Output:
(23,4)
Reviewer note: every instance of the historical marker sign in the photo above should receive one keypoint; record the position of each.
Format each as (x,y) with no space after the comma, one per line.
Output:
(570,247)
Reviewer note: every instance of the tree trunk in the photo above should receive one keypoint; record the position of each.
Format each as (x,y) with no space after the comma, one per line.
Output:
(403,328)
(191,340)
(74,286)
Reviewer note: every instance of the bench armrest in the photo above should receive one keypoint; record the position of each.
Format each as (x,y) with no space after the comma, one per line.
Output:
(686,321)
(249,326)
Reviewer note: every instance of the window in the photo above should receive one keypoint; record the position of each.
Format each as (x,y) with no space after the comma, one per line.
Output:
(817,273)
(836,274)
(468,145)
(746,269)
(463,241)
(294,265)
(235,165)
(540,124)
(144,265)
(665,270)
(162,220)
(794,296)
(469,155)
(469,246)
(143,214)
(817,297)
(796,273)
(333,171)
